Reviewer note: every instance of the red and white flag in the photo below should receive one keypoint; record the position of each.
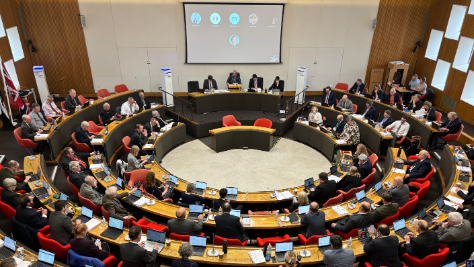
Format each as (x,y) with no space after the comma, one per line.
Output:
(10,89)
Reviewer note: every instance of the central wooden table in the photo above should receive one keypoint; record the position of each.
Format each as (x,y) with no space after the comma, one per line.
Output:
(234,137)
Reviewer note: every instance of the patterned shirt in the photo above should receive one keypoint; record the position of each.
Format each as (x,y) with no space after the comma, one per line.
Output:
(351,134)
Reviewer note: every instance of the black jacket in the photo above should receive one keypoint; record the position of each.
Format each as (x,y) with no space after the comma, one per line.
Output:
(281,86)
(61,227)
(140,102)
(229,226)
(339,128)
(6,173)
(236,80)
(25,234)
(354,221)
(105,116)
(205,84)
(323,192)
(354,90)
(421,169)
(27,131)
(149,128)
(83,136)
(82,156)
(138,139)
(259,83)
(452,126)
(348,183)
(365,169)
(423,245)
(10,198)
(31,217)
(431,114)
(72,103)
(77,179)
(383,251)
(387,121)
(468,215)
(135,256)
(418,106)
(331,100)
(316,223)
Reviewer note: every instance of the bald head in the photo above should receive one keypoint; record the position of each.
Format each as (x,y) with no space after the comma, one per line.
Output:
(181,213)
(313,207)
(90,180)
(422,226)
(26,118)
(344,98)
(424,154)
(340,117)
(364,207)
(398,180)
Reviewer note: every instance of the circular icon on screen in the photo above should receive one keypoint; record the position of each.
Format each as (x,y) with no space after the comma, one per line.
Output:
(196,18)
(253,18)
(234,39)
(234,18)
(215,18)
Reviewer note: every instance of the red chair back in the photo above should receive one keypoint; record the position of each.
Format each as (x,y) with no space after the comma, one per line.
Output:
(424,187)
(110,261)
(342,86)
(415,157)
(427,177)
(353,233)
(373,159)
(368,180)
(360,188)
(63,105)
(337,102)
(438,116)
(121,88)
(93,128)
(26,143)
(7,210)
(452,137)
(230,120)
(347,195)
(82,99)
(74,189)
(51,245)
(389,220)
(100,121)
(406,210)
(355,108)
(105,213)
(138,175)
(333,201)
(103,93)
(125,143)
(89,204)
(433,260)
(80,146)
(312,240)
(263,123)
(231,242)
(272,240)
(184,238)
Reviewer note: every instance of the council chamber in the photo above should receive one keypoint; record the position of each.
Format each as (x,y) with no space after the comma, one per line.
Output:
(202,133)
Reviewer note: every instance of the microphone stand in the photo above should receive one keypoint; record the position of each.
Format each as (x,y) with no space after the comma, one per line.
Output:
(305,253)
(213,252)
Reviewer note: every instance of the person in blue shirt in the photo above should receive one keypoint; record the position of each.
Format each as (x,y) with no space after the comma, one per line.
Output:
(369,111)
(386,119)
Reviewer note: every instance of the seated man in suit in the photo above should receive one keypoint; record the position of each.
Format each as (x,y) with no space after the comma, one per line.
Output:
(470,193)
(142,101)
(369,111)
(451,126)
(346,104)
(155,114)
(423,245)
(338,256)
(69,155)
(89,191)
(359,220)
(358,88)
(277,84)
(83,135)
(217,203)
(467,213)
(50,109)
(454,230)
(111,203)
(400,192)
(72,101)
(387,209)
(27,215)
(10,170)
(382,248)
(8,194)
(28,132)
(329,97)
(76,176)
(139,138)
(255,82)
(365,166)
(129,108)
(339,125)
(234,78)
(229,226)
(377,93)
(61,225)
(394,97)
(419,168)
(106,115)
(399,129)
(38,120)
(133,254)
(182,226)
(316,221)
(324,191)
(152,127)
(415,103)
(209,84)
(385,120)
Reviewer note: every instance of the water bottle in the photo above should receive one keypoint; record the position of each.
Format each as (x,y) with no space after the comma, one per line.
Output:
(104,222)
(349,243)
(269,249)
(220,210)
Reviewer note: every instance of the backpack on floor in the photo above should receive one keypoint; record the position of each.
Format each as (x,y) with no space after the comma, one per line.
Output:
(414,146)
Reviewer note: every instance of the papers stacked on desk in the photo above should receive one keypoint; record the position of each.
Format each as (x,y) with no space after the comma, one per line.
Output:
(283,195)
(453,190)
(97,140)
(96,166)
(464,169)
(92,223)
(400,171)
(451,204)
(334,178)
(148,146)
(154,106)
(340,141)
(365,120)
(142,201)
(358,116)
(456,200)
(257,256)
(340,210)
(22,263)
(305,122)
(41,136)
(385,133)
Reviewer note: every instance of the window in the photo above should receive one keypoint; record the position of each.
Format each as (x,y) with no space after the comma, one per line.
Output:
(434,43)
(455,22)
(2,29)
(463,54)
(471,8)
(440,74)
(12,72)
(468,92)
(15,43)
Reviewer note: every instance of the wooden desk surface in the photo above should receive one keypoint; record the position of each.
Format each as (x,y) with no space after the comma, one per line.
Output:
(241,128)
(198,94)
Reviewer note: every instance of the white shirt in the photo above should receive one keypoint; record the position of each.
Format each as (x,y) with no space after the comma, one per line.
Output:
(402,128)
(127,108)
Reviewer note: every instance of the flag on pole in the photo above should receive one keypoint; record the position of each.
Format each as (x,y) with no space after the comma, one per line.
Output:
(10,89)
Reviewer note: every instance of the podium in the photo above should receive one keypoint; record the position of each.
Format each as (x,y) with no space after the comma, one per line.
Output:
(396,74)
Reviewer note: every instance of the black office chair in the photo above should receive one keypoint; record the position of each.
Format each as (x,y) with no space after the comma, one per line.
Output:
(193,86)
(282,86)
(238,74)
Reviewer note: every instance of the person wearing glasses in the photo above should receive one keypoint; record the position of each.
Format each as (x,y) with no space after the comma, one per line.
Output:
(83,135)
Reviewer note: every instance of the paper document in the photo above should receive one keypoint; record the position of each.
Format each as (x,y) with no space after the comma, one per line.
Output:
(401,171)
(453,190)
(96,166)
(305,122)
(340,141)
(41,136)
(282,111)
(340,210)
(142,201)
(464,169)
(257,256)
(334,178)
(456,200)
(246,221)
(451,204)
(148,146)
(385,133)
(366,121)
(287,194)
(21,263)
(357,116)
(97,141)
(92,223)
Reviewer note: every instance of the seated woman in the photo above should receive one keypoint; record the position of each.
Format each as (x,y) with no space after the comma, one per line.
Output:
(185,251)
(191,199)
(394,97)
(315,116)
(302,201)
(430,111)
(351,180)
(87,247)
(133,162)
(377,93)
(291,260)
(152,188)
(361,149)
(350,135)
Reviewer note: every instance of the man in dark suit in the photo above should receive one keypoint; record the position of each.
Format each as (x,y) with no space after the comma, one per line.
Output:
(72,101)
(139,138)
(61,225)
(209,84)
(362,219)
(217,203)
(387,209)
(400,192)
(467,214)
(234,78)
(324,191)
(229,226)
(329,97)
(369,112)
(29,132)
(382,248)
(111,203)
(277,84)
(162,123)
(451,126)
(315,220)
(339,125)
(142,101)
(358,88)
(419,168)
(76,176)
(8,194)
(27,215)
(133,254)
(69,155)
(255,82)
(182,226)
(423,245)
(365,166)
(106,115)
(9,171)
(83,135)
(386,119)
(151,127)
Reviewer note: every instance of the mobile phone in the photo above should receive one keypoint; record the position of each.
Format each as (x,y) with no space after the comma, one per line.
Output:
(97,241)
(267,258)
(294,199)
(205,219)
(306,191)
(372,228)
(355,201)
(274,260)
(298,258)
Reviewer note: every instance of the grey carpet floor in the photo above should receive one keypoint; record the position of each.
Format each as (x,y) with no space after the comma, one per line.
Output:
(284,166)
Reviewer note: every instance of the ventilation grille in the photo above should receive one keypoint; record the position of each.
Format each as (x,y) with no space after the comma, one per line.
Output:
(449,103)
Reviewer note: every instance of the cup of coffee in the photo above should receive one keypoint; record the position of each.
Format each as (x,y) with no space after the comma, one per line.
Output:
(168,243)
(221,255)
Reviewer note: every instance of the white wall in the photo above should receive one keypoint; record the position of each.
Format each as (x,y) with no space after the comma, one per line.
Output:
(331,37)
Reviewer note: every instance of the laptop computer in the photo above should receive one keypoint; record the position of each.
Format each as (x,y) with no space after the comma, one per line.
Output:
(400,228)
(199,245)
(281,249)
(344,167)
(464,178)
(443,207)
(324,243)
(194,211)
(302,210)
(379,189)
(172,181)
(422,215)
(134,197)
(200,187)
(86,215)
(361,197)
(309,183)
(37,175)
(154,237)
(324,104)
(42,190)
(8,249)
(236,213)
(231,193)
(118,183)
(45,258)
(337,108)
(452,264)
(464,163)
(114,230)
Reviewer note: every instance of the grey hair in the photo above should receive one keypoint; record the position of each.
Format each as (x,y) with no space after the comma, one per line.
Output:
(185,250)
(455,217)
(50,97)
(71,90)
(105,104)
(111,191)
(130,98)
(362,157)
(349,118)
(393,90)
(452,114)
(425,153)
(418,96)
(83,123)
(154,113)
(9,182)
(370,102)
(73,165)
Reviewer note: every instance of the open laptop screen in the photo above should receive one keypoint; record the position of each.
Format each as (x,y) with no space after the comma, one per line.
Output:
(303,209)
(440,203)
(116,223)
(197,241)
(360,195)
(86,212)
(235,213)
(173,179)
(46,256)
(284,246)
(309,182)
(9,243)
(201,185)
(323,241)
(400,224)
(155,236)
(195,208)
(232,190)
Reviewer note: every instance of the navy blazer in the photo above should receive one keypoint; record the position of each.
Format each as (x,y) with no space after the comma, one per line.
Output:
(229,226)
(259,83)
(339,128)
(365,169)
(421,169)
(83,136)
(379,94)
(332,98)
(452,126)
(31,217)
(469,197)
(386,123)
(370,114)
(361,90)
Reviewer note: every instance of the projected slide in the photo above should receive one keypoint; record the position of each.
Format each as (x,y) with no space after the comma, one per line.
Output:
(233,33)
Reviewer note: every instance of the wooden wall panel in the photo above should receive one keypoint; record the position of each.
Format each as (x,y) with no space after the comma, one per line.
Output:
(54,27)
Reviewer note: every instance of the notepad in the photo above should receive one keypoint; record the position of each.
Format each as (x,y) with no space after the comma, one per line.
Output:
(340,141)
(257,256)
(340,210)
(334,178)
(96,166)
(97,141)
(401,171)
(456,200)
(148,146)
(41,136)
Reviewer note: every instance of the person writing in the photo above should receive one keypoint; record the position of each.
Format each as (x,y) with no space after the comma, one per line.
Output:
(233,79)
(209,84)
(277,84)
(345,104)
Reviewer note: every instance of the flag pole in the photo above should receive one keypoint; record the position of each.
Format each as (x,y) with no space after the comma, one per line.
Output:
(7,94)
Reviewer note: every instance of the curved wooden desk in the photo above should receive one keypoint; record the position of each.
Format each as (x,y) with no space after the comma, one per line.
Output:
(235,137)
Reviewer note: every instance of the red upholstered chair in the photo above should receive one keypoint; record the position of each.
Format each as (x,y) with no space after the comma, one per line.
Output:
(426,178)
(110,261)
(63,105)
(368,180)
(105,213)
(100,121)
(121,88)
(49,119)
(26,143)
(422,97)
(145,225)
(399,141)
(433,260)
(333,201)
(312,240)
(126,223)
(353,233)
(7,210)
(125,143)
(231,242)
(337,102)
(168,200)
(389,220)
(51,245)
(65,174)
(89,204)
(373,159)
(360,188)
(82,99)
(272,240)
(230,120)
(94,129)
(347,195)
(438,116)
(80,146)
(261,212)
(370,265)
(127,176)
(74,189)
(285,210)
(342,86)
(138,175)
(452,137)
(263,123)
(184,238)
(414,157)
(355,108)
(424,187)
(120,264)
(406,210)
(103,93)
